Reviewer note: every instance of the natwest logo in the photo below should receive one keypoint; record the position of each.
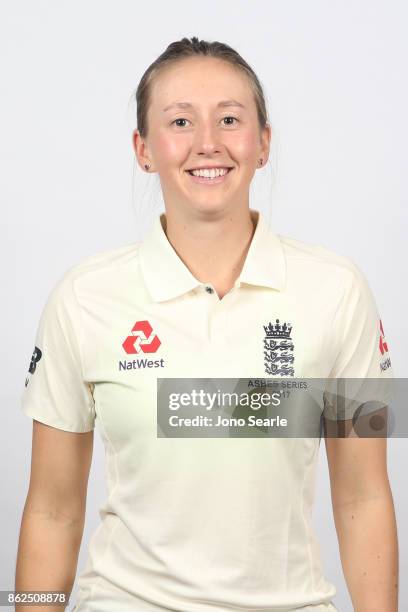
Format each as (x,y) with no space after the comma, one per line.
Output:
(386,363)
(142,339)
(383,344)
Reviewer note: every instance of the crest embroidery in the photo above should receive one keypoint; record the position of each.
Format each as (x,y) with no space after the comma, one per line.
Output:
(278,349)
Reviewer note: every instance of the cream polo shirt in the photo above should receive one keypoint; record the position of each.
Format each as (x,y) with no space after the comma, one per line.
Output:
(199,524)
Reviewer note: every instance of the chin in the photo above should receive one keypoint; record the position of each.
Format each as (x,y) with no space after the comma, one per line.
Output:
(211,206)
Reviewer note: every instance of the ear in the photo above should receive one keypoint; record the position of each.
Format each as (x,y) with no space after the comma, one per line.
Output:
(266,138)
(140,148)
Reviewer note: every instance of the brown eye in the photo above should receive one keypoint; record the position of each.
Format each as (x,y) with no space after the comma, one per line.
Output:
(230,117)
(179,119)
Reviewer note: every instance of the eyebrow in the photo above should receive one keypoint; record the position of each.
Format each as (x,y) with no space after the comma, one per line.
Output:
(222,104)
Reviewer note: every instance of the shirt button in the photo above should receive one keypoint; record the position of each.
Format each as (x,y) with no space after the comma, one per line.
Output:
(209,290)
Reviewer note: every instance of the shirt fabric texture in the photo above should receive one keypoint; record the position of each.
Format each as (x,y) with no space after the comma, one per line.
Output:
(199,524)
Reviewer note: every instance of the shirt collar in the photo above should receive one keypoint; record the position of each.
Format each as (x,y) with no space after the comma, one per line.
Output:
(166,276)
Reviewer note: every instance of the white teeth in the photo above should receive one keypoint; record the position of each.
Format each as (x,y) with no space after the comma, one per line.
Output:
(210,173)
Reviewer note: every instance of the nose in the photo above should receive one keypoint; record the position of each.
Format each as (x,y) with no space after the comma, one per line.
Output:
(207,139)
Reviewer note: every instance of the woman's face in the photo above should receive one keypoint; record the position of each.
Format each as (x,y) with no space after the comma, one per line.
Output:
(216,126)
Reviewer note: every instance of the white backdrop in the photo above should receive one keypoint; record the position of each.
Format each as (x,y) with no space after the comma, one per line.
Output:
(334,75)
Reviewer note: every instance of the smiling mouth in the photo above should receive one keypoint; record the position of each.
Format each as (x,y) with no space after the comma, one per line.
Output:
(209,178)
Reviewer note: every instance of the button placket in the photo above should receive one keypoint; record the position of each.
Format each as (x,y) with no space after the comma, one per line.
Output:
(218,325)
(216,312)
(218,320)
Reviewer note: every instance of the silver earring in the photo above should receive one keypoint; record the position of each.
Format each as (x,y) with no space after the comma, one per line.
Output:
(147,166)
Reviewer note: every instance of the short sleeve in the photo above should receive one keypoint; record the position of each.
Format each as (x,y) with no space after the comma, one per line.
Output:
(55,391)
(362,350)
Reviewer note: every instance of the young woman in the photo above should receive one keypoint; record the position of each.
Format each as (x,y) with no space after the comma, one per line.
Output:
(202,522)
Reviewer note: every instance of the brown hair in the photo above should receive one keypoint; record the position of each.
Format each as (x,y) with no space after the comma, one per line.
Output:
(185,48)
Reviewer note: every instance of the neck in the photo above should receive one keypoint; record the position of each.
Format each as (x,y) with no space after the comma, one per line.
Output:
(213,250)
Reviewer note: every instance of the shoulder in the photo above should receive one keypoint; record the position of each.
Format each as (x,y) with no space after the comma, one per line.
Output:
(104,261)
(101,269)
(319,261)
